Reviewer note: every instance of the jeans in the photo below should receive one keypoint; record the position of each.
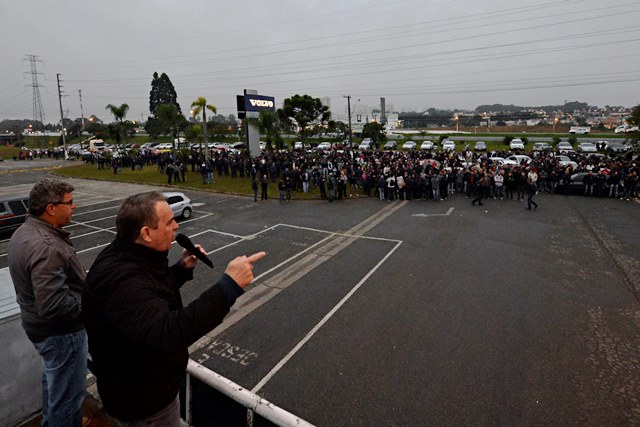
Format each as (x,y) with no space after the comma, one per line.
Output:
(167,417)
(64,378)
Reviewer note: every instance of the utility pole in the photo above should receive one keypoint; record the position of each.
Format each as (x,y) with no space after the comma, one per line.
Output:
(64,139)
(38,111)
(349,110)
(81,110)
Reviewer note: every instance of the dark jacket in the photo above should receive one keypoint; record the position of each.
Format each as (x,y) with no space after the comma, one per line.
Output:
(139,332)
(48,278)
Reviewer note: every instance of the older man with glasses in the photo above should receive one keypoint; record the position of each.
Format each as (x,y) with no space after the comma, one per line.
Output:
(48,279)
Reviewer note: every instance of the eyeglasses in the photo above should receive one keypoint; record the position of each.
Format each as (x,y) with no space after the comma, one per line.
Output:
(70,202)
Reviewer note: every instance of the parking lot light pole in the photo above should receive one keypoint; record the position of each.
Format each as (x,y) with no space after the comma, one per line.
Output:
(349,112)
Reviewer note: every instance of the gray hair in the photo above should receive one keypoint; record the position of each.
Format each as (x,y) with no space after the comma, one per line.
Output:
(46,192)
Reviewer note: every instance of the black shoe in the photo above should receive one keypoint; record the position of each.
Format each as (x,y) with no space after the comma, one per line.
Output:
(527,209)
(535,206)
(473,203)
(481,204)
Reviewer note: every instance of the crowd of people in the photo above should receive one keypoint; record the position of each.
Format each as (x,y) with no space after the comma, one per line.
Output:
(407,175)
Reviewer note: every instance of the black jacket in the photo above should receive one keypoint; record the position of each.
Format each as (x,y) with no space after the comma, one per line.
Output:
(139,332)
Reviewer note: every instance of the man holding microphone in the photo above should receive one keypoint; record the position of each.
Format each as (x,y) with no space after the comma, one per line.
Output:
(139,332)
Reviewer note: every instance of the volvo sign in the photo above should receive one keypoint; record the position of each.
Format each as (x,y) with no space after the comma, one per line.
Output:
(259,103)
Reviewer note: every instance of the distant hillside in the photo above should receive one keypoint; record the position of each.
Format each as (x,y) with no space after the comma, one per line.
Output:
(568,107)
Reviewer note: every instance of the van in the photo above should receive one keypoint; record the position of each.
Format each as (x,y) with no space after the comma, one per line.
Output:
(13,211)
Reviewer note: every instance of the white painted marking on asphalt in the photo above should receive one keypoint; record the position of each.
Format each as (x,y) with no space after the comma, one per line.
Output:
(424,215)
(321,323)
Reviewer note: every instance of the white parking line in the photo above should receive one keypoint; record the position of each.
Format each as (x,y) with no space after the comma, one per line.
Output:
(321,323)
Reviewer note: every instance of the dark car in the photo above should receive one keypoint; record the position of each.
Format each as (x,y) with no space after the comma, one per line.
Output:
(13,212)
(391,145)
(576,184)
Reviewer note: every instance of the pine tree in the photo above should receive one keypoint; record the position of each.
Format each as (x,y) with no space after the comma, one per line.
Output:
(162,92)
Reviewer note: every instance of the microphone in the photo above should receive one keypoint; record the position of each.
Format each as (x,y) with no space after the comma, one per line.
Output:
(186,243)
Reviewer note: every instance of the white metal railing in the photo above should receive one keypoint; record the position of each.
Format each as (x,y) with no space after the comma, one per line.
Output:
(249,400)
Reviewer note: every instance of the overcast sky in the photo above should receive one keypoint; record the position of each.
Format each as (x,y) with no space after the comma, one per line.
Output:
(415,53)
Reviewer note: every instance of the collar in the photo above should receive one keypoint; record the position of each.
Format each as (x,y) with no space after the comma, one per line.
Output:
(37,222)
(141,253)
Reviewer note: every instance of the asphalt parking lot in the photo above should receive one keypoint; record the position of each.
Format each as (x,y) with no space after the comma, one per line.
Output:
(431,313)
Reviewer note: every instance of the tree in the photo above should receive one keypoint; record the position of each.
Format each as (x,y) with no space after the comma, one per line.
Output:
(170,120)
(375,131)
(199,105)
(634,118)
(162,92)
(304,110)
(268,125)
(119,113)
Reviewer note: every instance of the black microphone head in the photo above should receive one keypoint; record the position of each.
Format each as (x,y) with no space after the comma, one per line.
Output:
(183,240)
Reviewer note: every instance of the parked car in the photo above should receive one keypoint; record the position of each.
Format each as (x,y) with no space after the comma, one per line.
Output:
(13,211)
(617,147)
(565,161)
(480,146)
(501,161)
(520,159)
(448,145)
(576,184)
(391,145)
(587,147)
(516,144)
(564,147)
(409,145)
(297,145)
(324,146)
(426,145)
(365,145)
(179,203)
(541,146)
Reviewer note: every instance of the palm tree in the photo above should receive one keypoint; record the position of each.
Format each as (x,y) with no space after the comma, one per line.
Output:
(119,113)
(197,106)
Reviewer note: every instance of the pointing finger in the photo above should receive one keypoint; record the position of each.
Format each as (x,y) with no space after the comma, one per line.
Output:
(255,257)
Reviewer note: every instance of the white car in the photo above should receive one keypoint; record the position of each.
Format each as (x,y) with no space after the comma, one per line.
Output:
(541,146)
(516,144)
(520,158)
(179,203)
(409,145)
(164,146)
(324,146)
(426,145)
(565,161)
(501,161)
(587,147)
(564,147)
(364,145)
(448,145)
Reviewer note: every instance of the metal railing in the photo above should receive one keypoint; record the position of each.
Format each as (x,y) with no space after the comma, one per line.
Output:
(251,401)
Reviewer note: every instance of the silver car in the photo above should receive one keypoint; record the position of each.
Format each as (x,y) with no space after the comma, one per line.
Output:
(179,203)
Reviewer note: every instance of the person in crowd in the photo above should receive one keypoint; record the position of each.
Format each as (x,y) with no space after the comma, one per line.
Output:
(48,280)
(138,329)
(254,187)
(264,183)
(498,180)
(532,189)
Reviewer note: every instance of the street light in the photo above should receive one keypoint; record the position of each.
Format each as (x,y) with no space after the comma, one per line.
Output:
(555,120)
(456,119)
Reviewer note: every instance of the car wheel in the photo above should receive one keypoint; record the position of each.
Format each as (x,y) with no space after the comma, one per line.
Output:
(186,213)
